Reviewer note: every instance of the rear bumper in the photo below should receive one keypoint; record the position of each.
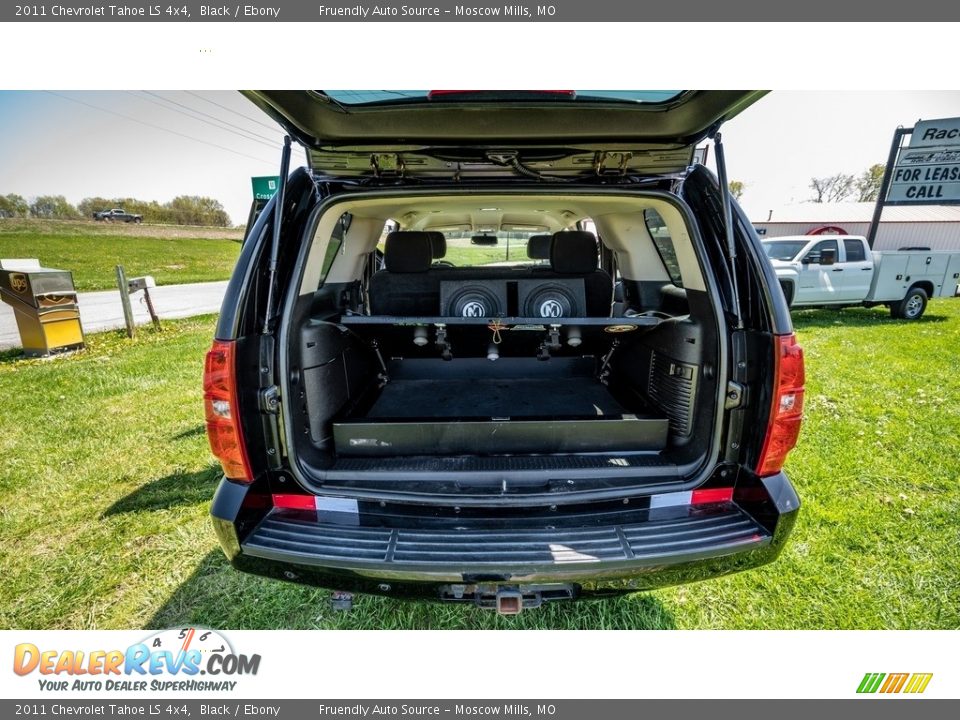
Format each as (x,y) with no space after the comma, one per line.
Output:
(586,554)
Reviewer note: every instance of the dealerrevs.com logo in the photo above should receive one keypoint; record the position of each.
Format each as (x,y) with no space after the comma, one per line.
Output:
(169,660)
(889,683)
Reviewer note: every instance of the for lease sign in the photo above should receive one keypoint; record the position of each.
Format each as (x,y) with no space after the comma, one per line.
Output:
(927,171)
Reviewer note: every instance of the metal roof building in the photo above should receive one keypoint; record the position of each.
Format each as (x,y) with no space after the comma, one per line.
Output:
(934,226)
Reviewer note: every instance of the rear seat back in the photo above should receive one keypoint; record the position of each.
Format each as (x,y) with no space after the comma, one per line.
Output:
(438,244)
(410,286)
(405,286)
(575,254)
(538,247)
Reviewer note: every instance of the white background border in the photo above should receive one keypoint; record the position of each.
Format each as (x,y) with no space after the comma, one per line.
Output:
(543,664)
(707,664)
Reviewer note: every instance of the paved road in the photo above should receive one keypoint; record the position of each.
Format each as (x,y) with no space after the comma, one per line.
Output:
(103,311)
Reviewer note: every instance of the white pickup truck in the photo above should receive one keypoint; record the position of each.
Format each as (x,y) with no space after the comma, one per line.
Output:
(842,270)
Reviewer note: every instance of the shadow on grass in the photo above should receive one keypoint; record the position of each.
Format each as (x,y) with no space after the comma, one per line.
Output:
(192,432)
(854,317)
(12,355)
(16,355)
(218,596)
(169,491)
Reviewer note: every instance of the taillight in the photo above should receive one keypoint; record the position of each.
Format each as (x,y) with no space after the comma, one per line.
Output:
(220,407)
(786,412)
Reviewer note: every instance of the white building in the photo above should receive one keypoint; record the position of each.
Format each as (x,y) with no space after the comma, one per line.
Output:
(933,226)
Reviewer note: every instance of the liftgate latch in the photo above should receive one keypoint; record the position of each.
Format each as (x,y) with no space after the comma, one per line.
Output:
(270,400)
(386,165)
(612,163)
(734,397)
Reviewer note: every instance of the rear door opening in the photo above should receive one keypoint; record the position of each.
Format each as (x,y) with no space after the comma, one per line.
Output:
(426,376)
(532,352)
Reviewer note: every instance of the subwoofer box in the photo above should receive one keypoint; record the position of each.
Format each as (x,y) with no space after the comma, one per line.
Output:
(473,298)
(551,298)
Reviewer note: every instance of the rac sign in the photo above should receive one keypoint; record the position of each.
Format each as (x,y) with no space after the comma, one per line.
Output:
(927,171)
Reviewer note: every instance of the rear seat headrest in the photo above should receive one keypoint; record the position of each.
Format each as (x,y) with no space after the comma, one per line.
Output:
(538,247)
(574,252)
(438,244)
(407,252)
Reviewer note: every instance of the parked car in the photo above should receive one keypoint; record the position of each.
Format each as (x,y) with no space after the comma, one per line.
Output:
(842,271)
(513,433)
(117,215)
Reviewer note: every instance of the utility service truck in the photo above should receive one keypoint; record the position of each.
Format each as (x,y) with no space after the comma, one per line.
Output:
(842,270)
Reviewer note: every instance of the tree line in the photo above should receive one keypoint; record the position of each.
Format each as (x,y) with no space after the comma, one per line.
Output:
(864,187)
(182,210)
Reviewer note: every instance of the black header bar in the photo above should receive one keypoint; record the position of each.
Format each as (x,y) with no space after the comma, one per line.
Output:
(578,11)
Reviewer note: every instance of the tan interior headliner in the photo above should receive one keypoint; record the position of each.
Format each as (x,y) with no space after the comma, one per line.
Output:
(619,221)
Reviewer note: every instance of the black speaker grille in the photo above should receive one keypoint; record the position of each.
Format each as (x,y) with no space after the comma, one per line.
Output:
(552,298)
(672,387)
(473,298)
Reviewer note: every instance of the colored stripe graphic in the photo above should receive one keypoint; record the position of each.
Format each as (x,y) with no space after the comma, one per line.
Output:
(918,683)
(870,682)
(894,683)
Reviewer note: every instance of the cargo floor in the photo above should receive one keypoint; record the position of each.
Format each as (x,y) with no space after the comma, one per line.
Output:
(496,398)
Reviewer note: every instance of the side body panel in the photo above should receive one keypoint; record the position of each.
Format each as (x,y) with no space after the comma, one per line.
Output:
(897,272)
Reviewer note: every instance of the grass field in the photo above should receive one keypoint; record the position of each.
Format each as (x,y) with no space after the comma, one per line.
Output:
(107,482)
(91,250)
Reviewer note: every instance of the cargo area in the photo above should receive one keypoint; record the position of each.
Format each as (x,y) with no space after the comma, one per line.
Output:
(519,406)
(421,357)
(375,401)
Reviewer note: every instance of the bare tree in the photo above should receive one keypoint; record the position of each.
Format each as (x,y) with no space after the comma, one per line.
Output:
(835,188)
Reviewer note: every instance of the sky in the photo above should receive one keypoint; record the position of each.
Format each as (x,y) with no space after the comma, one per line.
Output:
(155,145)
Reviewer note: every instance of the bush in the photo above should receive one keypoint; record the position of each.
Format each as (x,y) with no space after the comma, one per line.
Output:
(53,206)
(182,210)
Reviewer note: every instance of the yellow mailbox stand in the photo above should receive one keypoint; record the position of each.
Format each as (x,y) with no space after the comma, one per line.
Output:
(44,302)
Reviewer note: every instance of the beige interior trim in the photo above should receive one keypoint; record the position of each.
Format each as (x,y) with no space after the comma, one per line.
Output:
(619,221)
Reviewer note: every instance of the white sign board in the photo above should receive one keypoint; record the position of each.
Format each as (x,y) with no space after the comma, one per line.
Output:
(927,171)
(927,133)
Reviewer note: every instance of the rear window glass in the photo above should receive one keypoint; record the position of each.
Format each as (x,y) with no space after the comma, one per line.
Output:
(664,244)
(371,97)
(469,248)
(335,244)
(854,250)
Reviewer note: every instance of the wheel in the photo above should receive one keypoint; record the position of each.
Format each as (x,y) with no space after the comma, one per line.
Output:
(912,305)
(137,221)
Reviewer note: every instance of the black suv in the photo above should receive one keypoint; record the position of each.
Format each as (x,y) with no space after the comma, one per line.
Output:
(502,348)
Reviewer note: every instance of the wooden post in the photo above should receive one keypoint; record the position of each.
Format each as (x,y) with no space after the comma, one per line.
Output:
(153,312)
(125,301)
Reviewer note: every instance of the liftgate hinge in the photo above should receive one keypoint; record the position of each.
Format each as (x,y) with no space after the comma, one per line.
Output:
(270,400)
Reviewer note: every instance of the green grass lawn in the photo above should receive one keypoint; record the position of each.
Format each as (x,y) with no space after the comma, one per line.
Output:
(92,250)
(462,252)
(107,481)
